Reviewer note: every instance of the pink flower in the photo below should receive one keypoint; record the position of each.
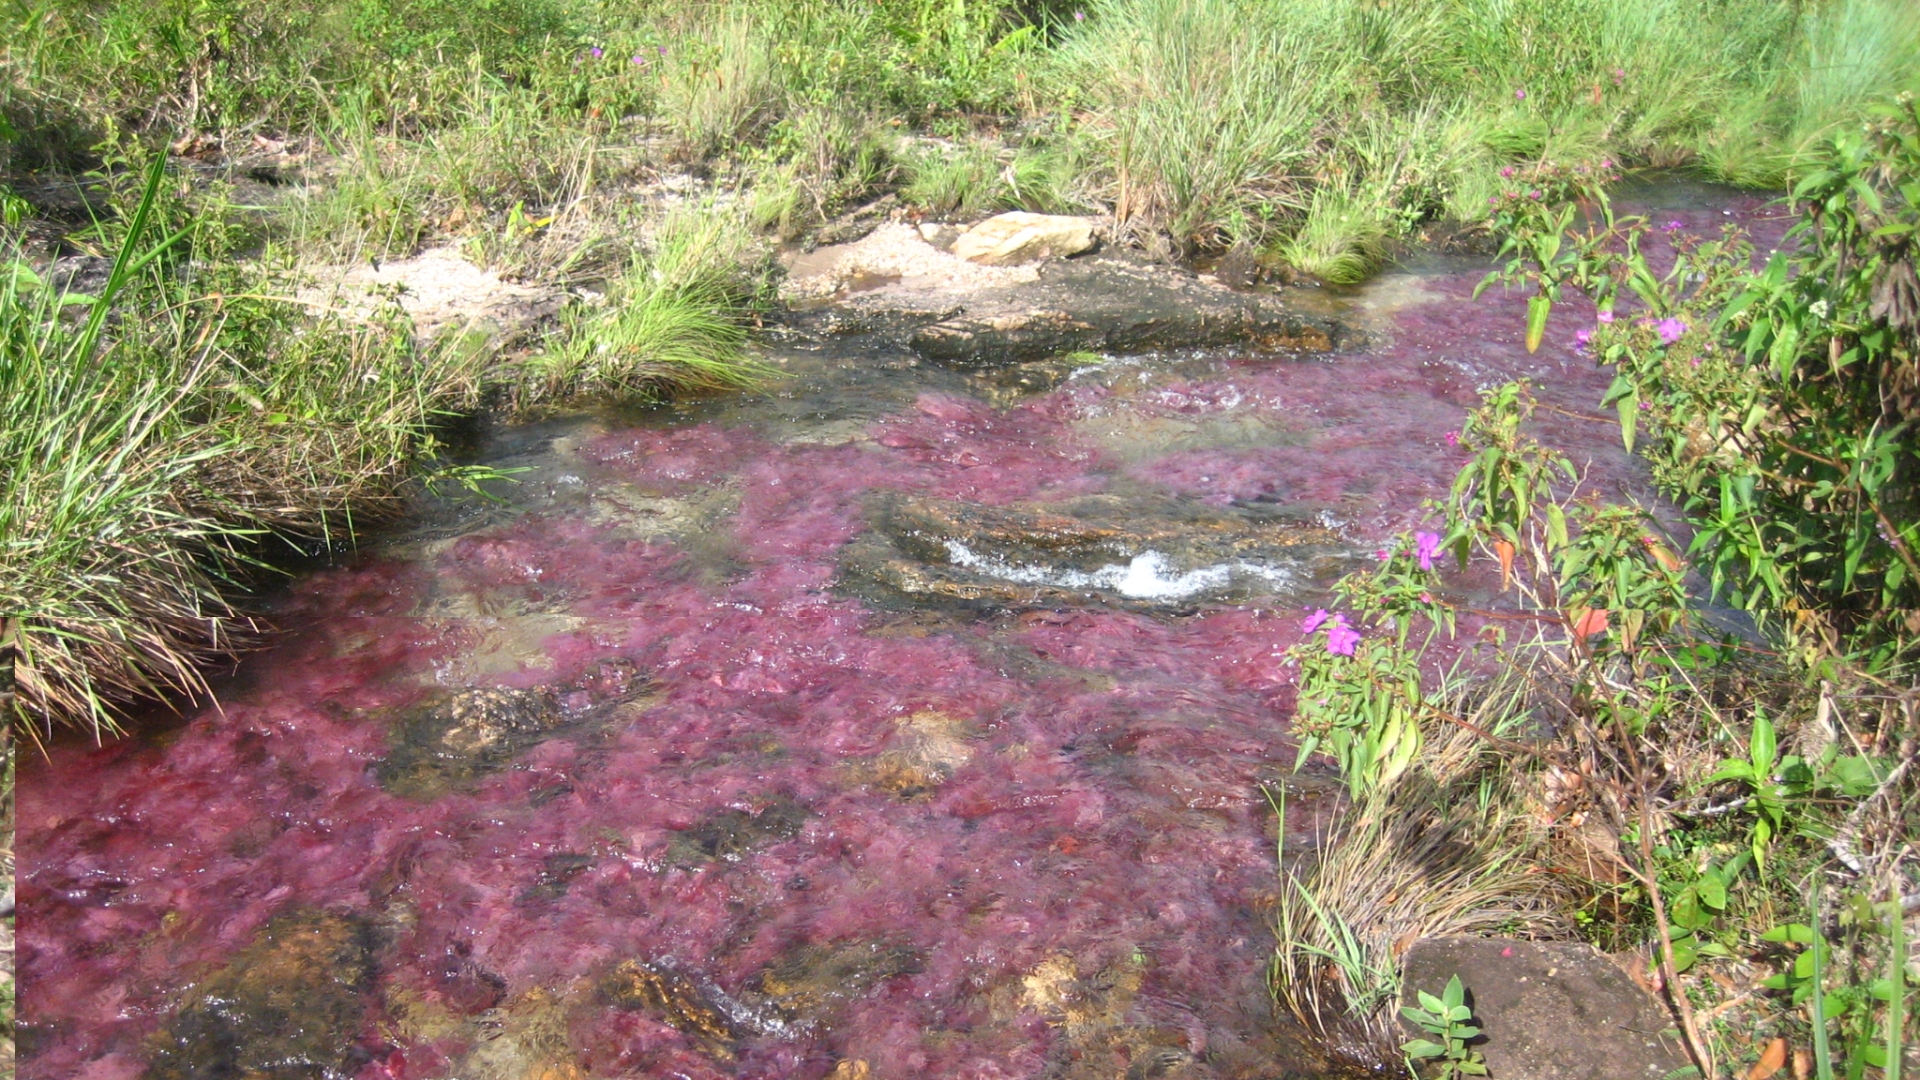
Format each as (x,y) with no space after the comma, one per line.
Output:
(596,52)
(1314,620)
(1341,638)
(1619,75)
(1519,95)
(1453,438)
(1669,330)
(1605,316)
(1426,544)
(1079,16)
(1534,194)
(1583,337)
(1673,226)
(1506,173)
(1383,554)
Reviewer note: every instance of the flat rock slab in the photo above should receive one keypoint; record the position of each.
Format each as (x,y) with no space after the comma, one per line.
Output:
(895,284)
(439,288)
(1549,1010)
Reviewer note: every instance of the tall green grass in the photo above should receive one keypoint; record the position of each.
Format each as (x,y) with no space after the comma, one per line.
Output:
(675,321)
(156,435)
(1319,127)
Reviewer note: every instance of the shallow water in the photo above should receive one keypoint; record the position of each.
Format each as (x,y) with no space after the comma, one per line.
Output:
(680,764)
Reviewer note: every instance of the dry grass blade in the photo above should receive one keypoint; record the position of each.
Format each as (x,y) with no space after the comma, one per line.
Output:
(1446,848)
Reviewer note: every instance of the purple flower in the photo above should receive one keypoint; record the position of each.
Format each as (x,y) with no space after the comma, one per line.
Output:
(1669,330)
(1341,638)
(1519,95)
(1079,16)
(663,50)
(1314,620)
(638,59)
(1605,316)
(596,52)
(1673,226)
(1583,337)
(1426,545)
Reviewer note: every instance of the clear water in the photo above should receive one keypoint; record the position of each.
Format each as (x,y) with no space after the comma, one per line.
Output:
(627,778)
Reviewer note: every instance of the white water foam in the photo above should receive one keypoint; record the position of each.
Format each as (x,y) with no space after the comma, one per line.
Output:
(1148,576)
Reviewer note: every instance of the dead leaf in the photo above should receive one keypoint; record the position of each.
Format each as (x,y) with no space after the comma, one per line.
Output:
(1587,622)
(1802,1063)
(1771,1059)
(1504,550)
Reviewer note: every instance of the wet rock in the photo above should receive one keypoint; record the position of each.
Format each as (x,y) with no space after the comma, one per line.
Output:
(929,747)
(729,835)
(1113,305)
(1103,1038)
(676,999)
(1019,237)
(1550,1010)
(458,736)
(809,984)
(1149,554)
(288,1007)
(904,290)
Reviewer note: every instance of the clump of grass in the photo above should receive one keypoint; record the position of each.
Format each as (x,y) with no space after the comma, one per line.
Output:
(960,181)
(148,454)
(1446,847)
(677,320)
(1343,239)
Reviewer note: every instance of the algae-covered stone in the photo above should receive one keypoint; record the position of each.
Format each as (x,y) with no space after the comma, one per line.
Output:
(928,748)
(289,1007)
(727,836)
(674,998)
(810,983)
(459,736)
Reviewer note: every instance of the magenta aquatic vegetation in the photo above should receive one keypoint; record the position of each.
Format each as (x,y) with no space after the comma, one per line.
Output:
(687,858)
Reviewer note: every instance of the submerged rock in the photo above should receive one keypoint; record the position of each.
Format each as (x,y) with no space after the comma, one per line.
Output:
(809,984)
(1549,1010)
(289,1007)
(459,736)
(1139,553)
(1020,237)
(727,836)
(676,999)
(929,747)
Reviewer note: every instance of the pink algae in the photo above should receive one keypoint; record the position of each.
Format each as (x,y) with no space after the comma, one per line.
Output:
(1101,802)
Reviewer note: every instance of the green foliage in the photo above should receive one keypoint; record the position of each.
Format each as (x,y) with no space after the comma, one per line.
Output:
(1446,1018)
(149,455)
(1324,127)
(1782,400)
(675,320)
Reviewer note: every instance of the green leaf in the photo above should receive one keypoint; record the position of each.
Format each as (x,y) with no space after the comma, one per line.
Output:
(1538,307)
(1421,1048)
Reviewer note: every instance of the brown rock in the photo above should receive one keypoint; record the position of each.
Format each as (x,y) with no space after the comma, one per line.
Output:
(1549,1010)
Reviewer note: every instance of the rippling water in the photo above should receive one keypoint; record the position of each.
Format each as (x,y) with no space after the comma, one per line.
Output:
(634,778)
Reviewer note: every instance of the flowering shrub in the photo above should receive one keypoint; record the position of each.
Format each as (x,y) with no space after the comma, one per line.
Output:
(1781,401)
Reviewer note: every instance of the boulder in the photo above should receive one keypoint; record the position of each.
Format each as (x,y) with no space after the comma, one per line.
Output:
(1020,237)
(1549,1010)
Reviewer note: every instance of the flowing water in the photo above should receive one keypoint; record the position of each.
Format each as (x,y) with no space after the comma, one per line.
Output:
(896,722)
